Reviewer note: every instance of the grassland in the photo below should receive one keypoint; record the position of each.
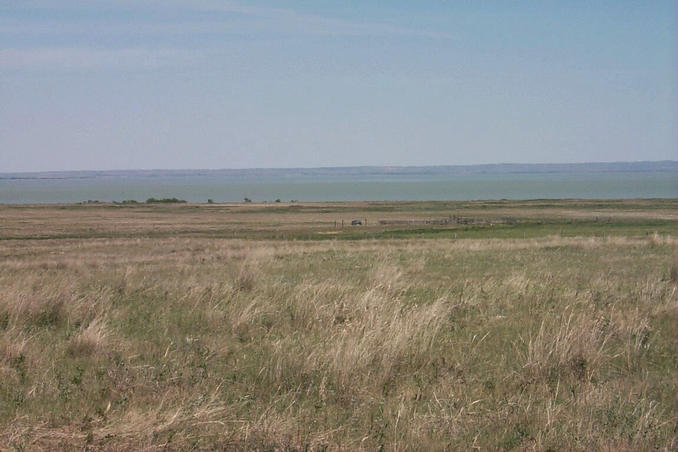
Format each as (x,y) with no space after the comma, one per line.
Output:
(536,325)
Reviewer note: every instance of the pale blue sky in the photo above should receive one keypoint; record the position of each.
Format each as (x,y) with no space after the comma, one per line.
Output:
(235,84)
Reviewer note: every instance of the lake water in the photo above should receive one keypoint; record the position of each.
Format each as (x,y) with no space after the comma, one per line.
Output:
(197,186)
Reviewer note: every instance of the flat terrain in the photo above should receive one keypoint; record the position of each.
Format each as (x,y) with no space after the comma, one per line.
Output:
(545,325)
(289,221)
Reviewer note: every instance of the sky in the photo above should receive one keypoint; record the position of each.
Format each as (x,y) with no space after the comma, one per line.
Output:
(178,84)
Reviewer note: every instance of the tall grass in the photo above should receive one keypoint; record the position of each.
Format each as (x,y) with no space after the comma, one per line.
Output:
(553,343)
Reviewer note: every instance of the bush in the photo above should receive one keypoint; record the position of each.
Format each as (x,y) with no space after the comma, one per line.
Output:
(164,200)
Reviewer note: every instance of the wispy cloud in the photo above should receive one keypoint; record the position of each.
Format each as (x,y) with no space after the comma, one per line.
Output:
(207,26)
(227,17)
(91,58)
(305,23)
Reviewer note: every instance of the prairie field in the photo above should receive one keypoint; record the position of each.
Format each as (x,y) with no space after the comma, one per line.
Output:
(502,325)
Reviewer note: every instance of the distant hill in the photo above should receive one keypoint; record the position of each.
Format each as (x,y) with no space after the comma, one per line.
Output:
(365,171)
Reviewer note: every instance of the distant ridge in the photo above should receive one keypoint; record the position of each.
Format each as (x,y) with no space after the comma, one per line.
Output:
(437,170)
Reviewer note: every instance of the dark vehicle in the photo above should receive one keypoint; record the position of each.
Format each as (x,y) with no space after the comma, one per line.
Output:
(356,223)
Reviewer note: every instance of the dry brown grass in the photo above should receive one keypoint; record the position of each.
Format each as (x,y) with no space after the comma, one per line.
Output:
(175,343)
(288,221)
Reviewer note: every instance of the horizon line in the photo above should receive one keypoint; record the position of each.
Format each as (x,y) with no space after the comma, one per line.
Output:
(345,167)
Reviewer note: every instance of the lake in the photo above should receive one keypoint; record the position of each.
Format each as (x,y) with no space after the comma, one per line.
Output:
(347,184)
